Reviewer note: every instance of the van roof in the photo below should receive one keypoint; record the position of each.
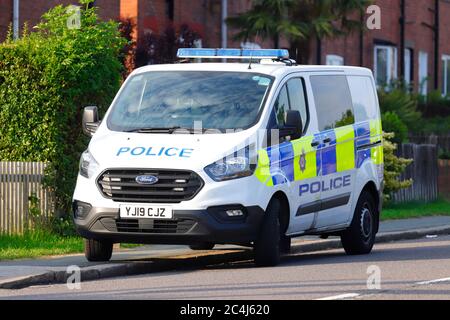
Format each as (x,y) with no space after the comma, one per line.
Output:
(273,69)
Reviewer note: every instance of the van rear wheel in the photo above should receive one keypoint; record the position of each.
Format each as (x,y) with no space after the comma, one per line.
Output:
(96,250)
(267,245)
(359,238)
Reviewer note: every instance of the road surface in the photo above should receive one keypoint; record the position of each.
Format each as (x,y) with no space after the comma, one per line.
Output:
(418,269)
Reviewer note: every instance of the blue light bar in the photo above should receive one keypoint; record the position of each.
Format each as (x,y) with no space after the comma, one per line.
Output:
(233,53)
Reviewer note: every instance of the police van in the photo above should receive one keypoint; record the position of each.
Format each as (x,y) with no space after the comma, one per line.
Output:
(251,153)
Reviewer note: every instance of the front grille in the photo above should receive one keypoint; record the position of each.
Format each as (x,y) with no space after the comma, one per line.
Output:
(173,186)
(148,225)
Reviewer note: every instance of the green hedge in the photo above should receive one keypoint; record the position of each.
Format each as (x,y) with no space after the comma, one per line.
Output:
(46,77)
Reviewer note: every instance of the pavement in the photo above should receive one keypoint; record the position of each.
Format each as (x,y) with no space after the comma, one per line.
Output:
(412,269)
(18,274)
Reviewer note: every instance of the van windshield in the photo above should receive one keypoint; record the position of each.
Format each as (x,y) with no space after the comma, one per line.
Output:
(158,101)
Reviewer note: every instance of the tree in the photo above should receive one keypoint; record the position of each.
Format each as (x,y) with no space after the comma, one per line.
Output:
(267,19)
(301,22)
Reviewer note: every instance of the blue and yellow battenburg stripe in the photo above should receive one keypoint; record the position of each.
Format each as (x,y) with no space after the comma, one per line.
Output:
(349,148)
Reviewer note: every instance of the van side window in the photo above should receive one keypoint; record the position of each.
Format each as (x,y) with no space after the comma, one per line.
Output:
(333,101)
(363,96)
(291,97)
(297,99)
(281,106)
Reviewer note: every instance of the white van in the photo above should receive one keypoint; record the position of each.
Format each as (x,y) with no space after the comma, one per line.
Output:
(246,153)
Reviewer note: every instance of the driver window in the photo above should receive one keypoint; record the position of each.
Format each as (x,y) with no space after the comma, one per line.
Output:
(297,98)
(281,106)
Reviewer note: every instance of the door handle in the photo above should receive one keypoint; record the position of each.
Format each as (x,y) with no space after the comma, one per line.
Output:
(315,144)
(327,140)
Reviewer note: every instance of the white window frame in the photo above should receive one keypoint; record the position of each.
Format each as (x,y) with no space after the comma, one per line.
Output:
(423,72)
(408,58)
(334,60)
(445,63)
(392,66)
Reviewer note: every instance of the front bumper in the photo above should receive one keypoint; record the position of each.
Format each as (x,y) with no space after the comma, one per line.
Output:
(187,227)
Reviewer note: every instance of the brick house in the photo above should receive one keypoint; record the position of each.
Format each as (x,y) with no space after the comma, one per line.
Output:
(405,47)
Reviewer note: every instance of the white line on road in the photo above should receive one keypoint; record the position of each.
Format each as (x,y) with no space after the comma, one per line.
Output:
(433,281)
(341,296)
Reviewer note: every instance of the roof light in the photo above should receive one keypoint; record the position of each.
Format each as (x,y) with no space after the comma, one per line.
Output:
(233,53)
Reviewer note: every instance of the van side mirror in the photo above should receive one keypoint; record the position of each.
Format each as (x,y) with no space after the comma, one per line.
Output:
(293,126)
(90,121)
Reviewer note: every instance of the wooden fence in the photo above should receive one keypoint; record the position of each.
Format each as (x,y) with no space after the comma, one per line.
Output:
(444,178)
(424,172)
(442,141)
(19,181)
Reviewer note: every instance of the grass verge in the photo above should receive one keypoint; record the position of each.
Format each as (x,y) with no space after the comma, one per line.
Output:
(37,244)
(440,207)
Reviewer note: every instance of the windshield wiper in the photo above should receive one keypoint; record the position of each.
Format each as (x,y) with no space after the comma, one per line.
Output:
(168,130)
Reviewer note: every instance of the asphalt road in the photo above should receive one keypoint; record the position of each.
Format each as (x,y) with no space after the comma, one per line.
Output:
(417,269)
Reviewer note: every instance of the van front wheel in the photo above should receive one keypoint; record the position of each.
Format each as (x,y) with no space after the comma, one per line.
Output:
(96,250)
(359,238)
(267,245)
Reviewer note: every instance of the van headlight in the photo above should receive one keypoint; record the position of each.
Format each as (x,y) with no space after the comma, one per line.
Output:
(88,165)
(240,164)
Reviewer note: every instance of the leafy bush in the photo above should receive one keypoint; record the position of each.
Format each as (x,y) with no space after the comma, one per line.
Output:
(45,78)
(393,167)
(434,105)
(393,123)
(436,125)
(38,223)
(444,154)
(403,104)
(126,28)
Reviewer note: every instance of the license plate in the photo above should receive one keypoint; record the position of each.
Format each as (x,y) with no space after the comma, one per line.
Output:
(132,211)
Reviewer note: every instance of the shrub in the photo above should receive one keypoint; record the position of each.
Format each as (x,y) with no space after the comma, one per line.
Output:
(436,125)
(393,167)
(45,79)
(393,123)
(444,154)
(403,104)
(126,28)
(434,105)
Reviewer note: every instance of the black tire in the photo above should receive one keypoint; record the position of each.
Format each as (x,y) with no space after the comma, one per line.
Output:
(285,244)
(267,245)
(202,246)
(359,238)
(96,250)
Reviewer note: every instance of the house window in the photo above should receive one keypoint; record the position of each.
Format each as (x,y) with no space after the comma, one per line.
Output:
(423,73)
(408,66)
(385,65)
(446,75)
(335,60)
